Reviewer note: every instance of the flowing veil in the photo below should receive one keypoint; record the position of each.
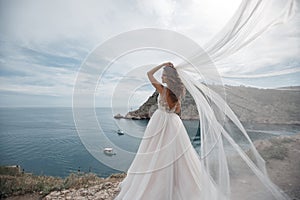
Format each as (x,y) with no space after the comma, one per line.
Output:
(230,157)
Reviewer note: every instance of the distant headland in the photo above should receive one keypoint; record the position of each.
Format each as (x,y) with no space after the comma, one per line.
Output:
(253,105)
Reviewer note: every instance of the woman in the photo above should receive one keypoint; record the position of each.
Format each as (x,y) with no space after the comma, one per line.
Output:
(166,166)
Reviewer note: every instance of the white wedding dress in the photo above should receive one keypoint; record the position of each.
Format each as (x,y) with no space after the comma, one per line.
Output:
(166,166)
(228,166)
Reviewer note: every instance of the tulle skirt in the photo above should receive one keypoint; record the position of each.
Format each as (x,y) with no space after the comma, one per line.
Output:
(166,166)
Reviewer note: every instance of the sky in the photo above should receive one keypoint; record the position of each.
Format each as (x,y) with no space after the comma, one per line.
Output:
(43,44)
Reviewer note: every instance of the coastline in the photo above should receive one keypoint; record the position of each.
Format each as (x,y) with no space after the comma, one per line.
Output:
(251,105)
(281,154)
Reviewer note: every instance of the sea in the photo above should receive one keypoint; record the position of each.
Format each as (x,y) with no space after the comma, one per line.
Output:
(46,141)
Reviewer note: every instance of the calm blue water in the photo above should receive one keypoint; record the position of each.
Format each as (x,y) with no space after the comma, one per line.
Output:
(45,140)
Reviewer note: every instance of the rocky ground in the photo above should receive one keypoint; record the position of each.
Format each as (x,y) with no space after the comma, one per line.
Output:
(283,164)
(281,154)
(107,190)
(103,191)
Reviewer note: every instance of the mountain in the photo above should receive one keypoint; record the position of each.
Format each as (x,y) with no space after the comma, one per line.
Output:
(274,106)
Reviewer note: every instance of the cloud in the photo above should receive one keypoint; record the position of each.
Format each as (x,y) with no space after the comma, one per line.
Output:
(43,43)
(163,10)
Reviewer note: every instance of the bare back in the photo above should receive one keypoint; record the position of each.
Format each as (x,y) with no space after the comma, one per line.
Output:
(171,103)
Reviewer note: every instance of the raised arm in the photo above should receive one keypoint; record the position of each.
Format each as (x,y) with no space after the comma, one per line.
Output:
(156,83)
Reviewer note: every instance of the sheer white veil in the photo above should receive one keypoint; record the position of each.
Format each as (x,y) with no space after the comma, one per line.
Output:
(230,157)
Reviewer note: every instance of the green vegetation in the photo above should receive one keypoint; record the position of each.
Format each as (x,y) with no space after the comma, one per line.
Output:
(14,182)
(277,150)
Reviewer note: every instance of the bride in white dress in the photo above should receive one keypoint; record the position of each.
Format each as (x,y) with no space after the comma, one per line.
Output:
(166,166)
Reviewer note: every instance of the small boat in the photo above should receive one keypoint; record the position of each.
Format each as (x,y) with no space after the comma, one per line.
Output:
(120,132)
(109,151)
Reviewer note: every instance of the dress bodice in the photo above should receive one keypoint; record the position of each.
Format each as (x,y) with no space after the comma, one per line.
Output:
(163,104)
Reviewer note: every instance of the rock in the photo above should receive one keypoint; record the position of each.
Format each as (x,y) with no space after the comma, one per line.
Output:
(55,193)
(107,190)
(118,116)
(107,185)
(146,110)
(84,193)
(64,191)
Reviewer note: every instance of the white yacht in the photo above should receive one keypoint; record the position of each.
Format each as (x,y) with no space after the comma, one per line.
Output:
(109,151)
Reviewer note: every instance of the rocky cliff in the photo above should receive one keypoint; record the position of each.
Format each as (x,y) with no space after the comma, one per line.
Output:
(146,110)
(275,106)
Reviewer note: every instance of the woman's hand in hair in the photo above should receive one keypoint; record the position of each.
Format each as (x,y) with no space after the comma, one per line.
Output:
(168,64)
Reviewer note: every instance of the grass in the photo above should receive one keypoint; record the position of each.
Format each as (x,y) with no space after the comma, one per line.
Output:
(277,150)
(13,182)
